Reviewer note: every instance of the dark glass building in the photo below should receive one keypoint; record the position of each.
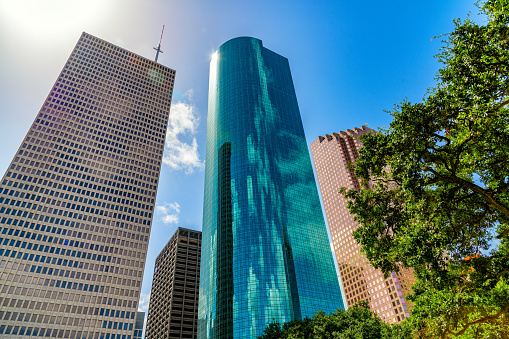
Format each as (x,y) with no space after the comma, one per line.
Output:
(266,254)
(173,309)
(138,325)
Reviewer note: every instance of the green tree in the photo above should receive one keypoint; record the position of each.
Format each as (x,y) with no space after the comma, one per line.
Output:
(436,182)
(358,322)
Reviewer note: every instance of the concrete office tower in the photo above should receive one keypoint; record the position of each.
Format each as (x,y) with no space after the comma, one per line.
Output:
(76,202)
(331,155)
(266,254)
(173,309)
(138,325)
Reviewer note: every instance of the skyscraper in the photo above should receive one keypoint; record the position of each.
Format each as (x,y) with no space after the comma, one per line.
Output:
(331,155)
(77,200)
(173,310)
(265,252)
(138,325)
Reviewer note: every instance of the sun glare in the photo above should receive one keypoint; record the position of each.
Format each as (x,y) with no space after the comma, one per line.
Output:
(213,55)
(55,17)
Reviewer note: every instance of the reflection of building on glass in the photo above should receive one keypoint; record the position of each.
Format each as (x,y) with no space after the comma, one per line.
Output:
(138,325)
(76,203)
(173,310)
(331,155)
(266,254)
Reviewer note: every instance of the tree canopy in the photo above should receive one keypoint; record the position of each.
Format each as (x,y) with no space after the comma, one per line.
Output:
(435,193)
(358,322)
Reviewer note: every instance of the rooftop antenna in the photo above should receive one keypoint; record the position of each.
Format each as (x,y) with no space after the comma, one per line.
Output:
(158,49)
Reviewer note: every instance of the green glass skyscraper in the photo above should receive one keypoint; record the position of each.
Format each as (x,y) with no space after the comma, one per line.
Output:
(265,249)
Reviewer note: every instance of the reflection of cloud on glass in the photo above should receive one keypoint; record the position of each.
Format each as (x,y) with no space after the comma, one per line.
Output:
(155,76)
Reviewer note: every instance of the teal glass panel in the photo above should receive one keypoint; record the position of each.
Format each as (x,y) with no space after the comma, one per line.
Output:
(265,250)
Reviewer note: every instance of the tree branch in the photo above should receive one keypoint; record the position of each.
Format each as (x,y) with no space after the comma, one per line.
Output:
(447,140)
(482,320)
(503,103)
(479,190)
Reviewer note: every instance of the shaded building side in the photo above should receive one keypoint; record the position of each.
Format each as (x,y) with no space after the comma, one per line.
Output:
(173,308)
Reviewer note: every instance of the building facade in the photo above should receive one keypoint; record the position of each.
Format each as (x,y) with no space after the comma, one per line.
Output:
(138,325)
(76,202)
(173,309)
(266,254)
(331,156)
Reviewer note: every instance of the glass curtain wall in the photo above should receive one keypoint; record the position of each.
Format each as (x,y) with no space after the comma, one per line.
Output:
(266,254)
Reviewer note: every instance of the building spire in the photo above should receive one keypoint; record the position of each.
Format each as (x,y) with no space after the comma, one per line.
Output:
(158,49)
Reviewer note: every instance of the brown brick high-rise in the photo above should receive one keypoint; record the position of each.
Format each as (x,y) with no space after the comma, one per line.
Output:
(331,155)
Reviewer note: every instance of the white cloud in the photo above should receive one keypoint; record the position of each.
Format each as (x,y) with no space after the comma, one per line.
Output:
(169,212)
(143,307)
(144,301)
(181,148)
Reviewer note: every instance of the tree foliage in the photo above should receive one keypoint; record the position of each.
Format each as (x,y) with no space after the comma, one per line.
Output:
(436,187)
(358,322)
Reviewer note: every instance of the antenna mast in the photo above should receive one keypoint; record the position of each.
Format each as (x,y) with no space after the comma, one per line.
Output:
(158,49)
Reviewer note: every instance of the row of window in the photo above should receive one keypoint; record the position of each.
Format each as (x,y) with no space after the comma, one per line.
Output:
(45,202)
(116,232)
(91,96)
(19,316)
(106,155)
(69,205)
(58,251)
(110,133)
(47,249)
(55,333)
(48,308)
(66,177)
(97,120)
(58,221)
(65,262)
(66,213)
(70,299)
(87,185)
(76,234)
(65,242)
(61,101)
(88,135)
(41,281)
(117,325)
(95,129)
(97,151)
(67,285)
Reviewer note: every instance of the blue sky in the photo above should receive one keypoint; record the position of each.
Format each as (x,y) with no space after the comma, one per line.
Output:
(350,61)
